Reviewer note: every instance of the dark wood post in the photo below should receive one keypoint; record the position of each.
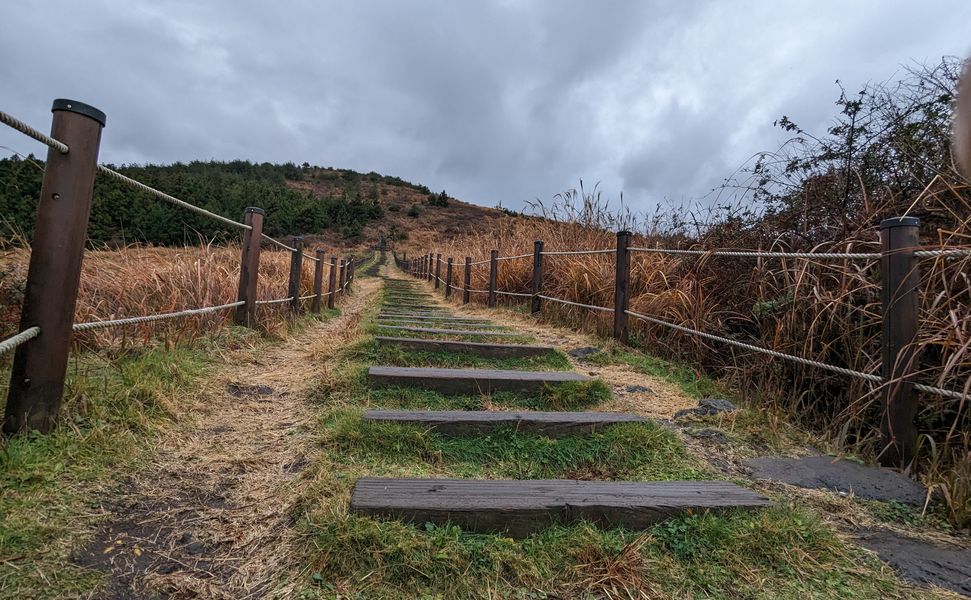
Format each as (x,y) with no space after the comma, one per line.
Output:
(318,282)
(51,292)
(493,273)
(438,270)
(342,277)
(332,282)
(249,267)
(900,279)
(622,286)
(468,280)
(536,304)
(296,269)
(448,279)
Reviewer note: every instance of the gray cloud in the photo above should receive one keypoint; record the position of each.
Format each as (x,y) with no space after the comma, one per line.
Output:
(493,101)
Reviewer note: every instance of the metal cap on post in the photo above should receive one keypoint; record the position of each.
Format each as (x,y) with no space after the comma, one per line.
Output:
(332,282)
(468,280)
(900,279)
(536,304)
(622,286)
(54,272)
(249,266)
(493,274)
(317,303)
(296,270)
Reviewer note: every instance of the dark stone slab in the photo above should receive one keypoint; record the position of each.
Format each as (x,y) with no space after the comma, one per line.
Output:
(439,323)
(821,472)
(920,562)
(708,406)
(468,381)
(520,508)
(465,422)
(437,331)
(476,348)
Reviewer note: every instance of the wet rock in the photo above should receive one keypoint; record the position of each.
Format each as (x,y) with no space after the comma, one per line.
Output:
(921,562)
(708,434)
(827,472)
(706,407)
(581,353)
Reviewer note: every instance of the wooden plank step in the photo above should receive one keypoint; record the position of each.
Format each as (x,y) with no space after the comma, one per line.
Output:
(469,381)
(436,317)
(467,422)
(520,508)
(473,332)
(439,323)
(477,348)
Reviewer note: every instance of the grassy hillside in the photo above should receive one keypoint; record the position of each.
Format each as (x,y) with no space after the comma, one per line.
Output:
(336,207)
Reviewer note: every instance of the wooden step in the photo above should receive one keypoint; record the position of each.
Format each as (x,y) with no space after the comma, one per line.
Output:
(520,508)
(467,422)
(469,381)
(436,317)
(438,323)
(477,348)
(472,332)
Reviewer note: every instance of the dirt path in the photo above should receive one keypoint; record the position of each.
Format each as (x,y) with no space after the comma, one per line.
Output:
(213,515)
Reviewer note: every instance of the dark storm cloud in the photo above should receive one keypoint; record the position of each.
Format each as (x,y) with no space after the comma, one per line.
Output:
(493,101)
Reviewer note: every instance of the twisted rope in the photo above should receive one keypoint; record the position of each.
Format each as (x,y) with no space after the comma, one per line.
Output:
(15,340)
(280,301)
(514,294)
(575,252)
(12,121)
(150,318)
(790,357)
(171,199)
(514,257)
(278,243)
(560,300)
(752,254)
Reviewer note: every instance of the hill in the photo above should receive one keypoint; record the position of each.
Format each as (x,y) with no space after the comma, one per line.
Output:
(334,207)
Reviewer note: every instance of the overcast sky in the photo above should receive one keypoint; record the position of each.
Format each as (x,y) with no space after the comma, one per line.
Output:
(492,101)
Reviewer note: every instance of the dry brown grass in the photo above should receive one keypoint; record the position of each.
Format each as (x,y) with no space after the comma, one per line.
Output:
(827,311)
(144,280)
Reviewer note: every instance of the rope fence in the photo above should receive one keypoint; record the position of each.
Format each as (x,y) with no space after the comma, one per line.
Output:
(56,252)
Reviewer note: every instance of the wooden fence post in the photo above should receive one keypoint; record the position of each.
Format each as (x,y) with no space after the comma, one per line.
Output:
(536,304)
(249,267)
(428,266)
(448,279)
(493,273)
(468,280)
(318,281)
(332,282)
(622,286)
(900,279)
(438,269)
(51,292)
(296,269)
(342,277)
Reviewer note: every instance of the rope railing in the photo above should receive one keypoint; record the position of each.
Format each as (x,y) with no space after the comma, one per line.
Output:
(500,292)
(151,318)
(277,301)
(948,253)
(277,243)
(575,252)
(15,340)
(791,357)
(562,301)
(514,257)
(24,128)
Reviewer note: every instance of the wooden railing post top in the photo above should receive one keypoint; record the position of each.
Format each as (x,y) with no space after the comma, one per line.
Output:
(254,209)
(624,233)
(538,244)
(319,253)
(80,108)
(899,222)
(298,241)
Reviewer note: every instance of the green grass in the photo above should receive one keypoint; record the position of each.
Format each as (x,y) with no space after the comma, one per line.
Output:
(375,354)
(691,381)
(50,483)
(626,452)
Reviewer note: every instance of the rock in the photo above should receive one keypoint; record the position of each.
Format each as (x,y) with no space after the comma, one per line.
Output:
(638,389)
(706,407)
(921,562)
(195,548)
(709,434)
(827,472)
(243,389)
(581,353)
